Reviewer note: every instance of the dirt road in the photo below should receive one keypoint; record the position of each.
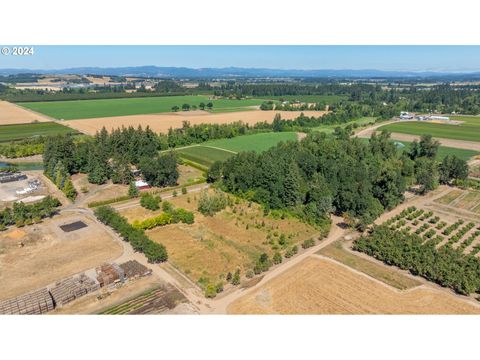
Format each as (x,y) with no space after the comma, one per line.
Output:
(458,144)
(336,232)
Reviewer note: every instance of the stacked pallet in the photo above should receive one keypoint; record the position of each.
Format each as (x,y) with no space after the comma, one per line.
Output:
(33,303)
(109,273)
(70,289)
(134,269)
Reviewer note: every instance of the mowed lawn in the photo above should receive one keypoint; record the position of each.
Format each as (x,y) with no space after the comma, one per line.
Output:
(207,153)
(469,130)
(86,109)
(22,131)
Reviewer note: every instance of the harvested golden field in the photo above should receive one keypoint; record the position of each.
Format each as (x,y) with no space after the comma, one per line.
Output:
(160,123)
(376,270)
(320,286)
(13,114)
(48,254)
(233,238)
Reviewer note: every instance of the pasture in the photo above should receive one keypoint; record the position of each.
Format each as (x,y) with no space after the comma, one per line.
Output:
(255,142)
(204,155)
(22,131)
(209,152)
(469,130)
(322,286)
(443,151)
(359,123)
(87,109)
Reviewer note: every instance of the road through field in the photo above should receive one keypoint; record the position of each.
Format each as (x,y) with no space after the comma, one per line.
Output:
(458,144)
(220,306)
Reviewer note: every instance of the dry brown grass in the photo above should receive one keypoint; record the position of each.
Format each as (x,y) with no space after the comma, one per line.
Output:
(449,197)
(378,271)
(160,123)
(320,286)
(216,245)
(13,114)
(49,254)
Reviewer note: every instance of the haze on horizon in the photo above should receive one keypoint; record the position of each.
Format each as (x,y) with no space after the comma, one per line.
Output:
(384,58)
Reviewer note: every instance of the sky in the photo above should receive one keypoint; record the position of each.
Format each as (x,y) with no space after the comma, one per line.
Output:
(397,58)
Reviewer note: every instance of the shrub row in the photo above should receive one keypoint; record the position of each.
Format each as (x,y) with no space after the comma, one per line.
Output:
(169,216)
(140,242)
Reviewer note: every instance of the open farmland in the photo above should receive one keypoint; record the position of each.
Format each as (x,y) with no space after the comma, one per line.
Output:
(328,99)
(14,114)
(359,122)
(392,277)
(204,155)
(233,238)
(462,199)
(37,255)
(87,109)
(443,151)
(255,142)
(22,131)
(321,286)
(161,123)
(211,151)
(469,130)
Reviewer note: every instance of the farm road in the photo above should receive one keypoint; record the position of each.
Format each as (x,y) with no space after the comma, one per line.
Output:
(458,144)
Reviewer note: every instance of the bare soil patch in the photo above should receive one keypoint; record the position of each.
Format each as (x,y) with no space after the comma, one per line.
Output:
(48,254)
(320,286)
(13,114)
(161,123)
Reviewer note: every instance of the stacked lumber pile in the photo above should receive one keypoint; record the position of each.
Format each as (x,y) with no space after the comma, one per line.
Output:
(109,274)
(133,269)
(33,303)
(72,288)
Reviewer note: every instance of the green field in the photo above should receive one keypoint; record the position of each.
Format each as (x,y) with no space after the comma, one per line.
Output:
(211,151)
(84,109)
(256,142)
(328,99)
(204,155)
(442,150)
(22,131)
(330,128)
(469,130)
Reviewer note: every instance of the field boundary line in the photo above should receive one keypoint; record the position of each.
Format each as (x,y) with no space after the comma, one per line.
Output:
(219,148)
(324,257)
(457,199)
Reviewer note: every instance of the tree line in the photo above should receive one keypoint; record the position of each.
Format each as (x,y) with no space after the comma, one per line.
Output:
(140,242)
(23,214)
(342,175)
(445,266)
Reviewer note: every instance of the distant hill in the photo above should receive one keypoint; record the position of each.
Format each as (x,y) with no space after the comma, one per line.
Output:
(236,72)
